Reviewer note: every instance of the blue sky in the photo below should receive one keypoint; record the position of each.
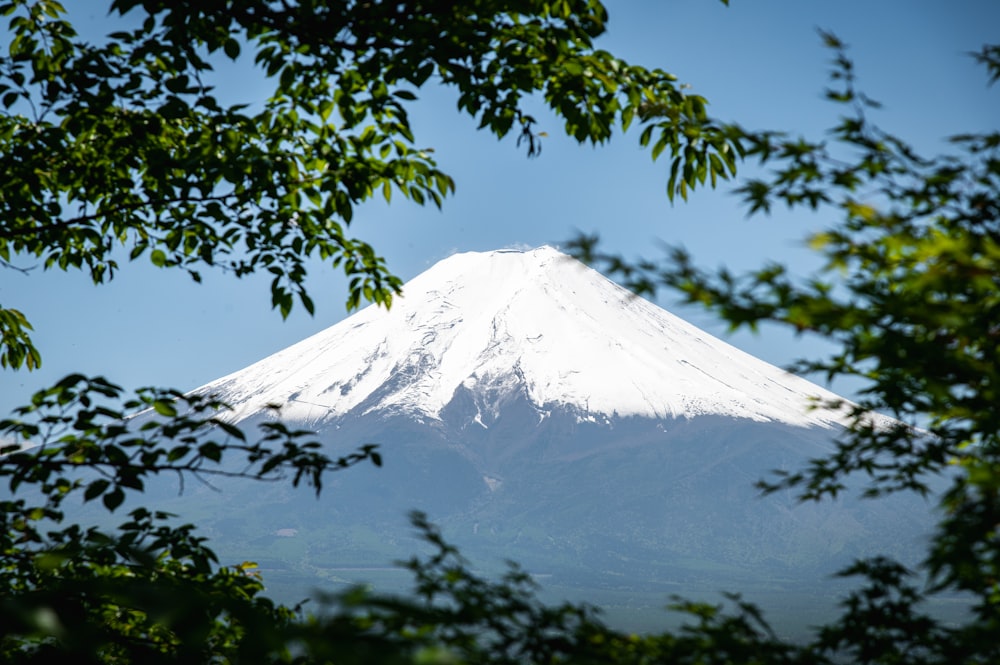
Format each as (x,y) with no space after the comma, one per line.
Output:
(758,63)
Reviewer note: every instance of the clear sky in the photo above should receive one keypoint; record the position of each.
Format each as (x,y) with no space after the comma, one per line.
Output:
(759,63)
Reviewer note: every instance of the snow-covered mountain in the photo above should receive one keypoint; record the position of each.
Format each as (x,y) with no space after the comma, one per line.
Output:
(501,322)
(541,413)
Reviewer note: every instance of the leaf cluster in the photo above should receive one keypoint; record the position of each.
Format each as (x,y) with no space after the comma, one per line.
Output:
(150,590)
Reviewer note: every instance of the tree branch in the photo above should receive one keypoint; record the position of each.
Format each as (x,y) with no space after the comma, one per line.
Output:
(66,223)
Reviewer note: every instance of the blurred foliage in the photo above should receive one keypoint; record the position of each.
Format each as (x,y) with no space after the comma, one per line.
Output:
(150,591)
(910,295)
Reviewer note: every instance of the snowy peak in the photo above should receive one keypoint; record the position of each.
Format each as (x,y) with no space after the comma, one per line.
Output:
(536,323)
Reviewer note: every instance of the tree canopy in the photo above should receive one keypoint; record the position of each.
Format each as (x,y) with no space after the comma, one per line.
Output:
(119,150)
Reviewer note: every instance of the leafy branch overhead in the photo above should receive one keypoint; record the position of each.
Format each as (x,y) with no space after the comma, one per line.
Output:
(87,423)
(121,147)
(84,439)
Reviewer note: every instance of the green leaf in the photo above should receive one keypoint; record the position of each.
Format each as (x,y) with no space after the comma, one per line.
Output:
(231,430)
(165,408)
(113,499)
(232,49)
(95,489)
(211,451)
(158,258)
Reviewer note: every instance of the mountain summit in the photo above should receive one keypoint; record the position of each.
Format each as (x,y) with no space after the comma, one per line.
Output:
(538,322)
